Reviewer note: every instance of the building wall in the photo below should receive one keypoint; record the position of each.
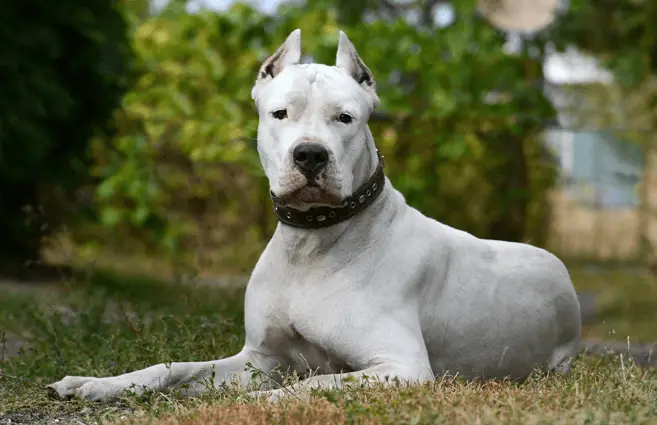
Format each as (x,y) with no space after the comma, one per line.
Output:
(598,169)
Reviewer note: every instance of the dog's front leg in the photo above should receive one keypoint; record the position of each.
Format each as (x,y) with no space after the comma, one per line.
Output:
(191,377)
(383,374)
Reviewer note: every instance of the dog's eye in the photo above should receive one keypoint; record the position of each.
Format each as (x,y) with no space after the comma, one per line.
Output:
(345,118)
(281,114)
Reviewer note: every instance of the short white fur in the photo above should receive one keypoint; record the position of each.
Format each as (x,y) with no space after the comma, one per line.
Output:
(390,293)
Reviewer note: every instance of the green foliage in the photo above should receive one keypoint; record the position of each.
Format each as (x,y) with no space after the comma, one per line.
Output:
(184,177)
(623,37)
(65,68)
(621,33)
(185,150)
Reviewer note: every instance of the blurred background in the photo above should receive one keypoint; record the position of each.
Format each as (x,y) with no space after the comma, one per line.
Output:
(127,132)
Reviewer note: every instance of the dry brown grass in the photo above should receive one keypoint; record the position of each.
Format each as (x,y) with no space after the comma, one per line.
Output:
(317,412)
(591,397)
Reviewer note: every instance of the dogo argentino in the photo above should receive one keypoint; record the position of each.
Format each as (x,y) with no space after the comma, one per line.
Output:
(354,282)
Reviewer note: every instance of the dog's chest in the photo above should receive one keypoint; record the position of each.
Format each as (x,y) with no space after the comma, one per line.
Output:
(308,358)
(317,320)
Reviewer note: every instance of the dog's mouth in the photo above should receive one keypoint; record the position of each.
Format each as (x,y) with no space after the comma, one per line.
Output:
(310,195)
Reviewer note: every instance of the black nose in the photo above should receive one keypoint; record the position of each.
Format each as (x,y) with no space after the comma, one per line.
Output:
(310,157)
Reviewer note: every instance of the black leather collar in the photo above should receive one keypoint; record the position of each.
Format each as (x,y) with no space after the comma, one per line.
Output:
(318,217)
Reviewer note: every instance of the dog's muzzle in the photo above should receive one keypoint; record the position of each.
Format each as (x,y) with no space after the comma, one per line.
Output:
(319,217)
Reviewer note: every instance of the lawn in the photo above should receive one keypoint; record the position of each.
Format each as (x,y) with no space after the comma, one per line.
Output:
(105,325)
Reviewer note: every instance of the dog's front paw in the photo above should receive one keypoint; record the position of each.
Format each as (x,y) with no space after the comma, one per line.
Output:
(66,388)
(87,388)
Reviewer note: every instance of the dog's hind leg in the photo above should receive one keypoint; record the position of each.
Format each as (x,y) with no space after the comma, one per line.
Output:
(564,367)
(562,358)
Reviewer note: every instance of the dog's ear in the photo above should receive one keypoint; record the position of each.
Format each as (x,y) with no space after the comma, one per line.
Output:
(288,54)
(347,58)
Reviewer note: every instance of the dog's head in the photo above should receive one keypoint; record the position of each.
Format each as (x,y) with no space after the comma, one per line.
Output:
(313,137)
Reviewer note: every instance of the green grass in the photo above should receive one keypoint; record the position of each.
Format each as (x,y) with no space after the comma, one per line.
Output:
(627,305)
(119,325)
(107,325)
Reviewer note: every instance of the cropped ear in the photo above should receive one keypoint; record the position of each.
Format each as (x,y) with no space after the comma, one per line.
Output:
(347,59)
(288,54)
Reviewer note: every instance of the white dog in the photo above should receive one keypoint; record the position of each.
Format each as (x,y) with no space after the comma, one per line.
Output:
(355,283)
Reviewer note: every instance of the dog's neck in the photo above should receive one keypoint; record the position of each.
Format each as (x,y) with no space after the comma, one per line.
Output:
(303,246)
(369,159)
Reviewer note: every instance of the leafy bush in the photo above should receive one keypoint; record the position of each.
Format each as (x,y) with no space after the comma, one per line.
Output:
(184,175)
(65,68)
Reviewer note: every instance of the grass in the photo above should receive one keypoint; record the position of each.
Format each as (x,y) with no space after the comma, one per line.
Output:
(627,304)
(105,325)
